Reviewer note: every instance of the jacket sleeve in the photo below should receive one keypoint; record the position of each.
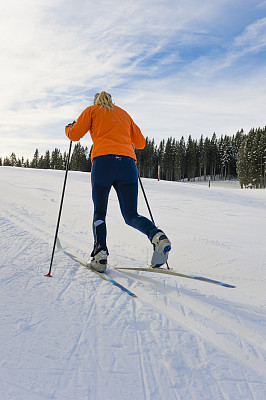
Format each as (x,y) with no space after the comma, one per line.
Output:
(81,127)
(137,138)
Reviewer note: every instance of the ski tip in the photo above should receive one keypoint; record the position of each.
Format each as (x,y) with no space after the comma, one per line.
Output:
(212,281)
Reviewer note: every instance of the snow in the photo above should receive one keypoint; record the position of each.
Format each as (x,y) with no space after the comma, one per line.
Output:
(75,336)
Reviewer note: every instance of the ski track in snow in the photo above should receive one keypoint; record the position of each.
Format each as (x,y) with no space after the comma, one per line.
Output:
(179,310)
(76,336)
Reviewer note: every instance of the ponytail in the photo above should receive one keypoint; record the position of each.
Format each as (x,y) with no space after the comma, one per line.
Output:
(104,99)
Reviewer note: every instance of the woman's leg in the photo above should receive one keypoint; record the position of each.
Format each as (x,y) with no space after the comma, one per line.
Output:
(100,196)
(128,196)
(100,193)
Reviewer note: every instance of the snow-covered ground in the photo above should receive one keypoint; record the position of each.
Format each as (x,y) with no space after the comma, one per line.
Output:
(75,336)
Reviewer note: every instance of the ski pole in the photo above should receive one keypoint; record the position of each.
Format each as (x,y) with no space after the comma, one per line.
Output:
(60,210)
(148,206)
(146,200)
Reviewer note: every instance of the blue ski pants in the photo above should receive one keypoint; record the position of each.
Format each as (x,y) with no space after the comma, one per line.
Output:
(121,173)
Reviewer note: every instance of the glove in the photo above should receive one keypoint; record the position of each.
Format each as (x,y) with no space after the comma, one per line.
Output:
(71,123)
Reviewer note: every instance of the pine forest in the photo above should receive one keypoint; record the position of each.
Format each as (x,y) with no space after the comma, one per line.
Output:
(241,156)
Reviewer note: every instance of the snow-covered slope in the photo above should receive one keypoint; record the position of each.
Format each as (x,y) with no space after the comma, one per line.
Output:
(75,336)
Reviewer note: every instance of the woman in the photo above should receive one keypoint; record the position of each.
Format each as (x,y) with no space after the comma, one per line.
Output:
(114,134)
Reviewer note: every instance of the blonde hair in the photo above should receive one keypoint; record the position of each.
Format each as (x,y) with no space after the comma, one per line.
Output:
(104,99)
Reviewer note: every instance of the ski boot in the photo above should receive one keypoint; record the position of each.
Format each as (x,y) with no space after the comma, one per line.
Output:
(161,246)
(99,258)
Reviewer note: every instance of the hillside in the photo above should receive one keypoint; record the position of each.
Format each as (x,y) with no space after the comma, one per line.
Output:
(76,336)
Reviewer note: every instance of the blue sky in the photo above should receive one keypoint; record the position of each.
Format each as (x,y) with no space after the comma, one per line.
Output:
(179,67)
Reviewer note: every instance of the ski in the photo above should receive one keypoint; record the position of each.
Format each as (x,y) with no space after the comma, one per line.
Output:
(102,275)
(167,272)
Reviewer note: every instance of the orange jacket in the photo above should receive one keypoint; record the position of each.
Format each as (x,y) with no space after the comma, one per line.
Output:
(112,132)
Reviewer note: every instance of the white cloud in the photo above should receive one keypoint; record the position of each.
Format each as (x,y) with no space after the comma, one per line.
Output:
(253,38)
(262,4)
(56,54)
(172,108)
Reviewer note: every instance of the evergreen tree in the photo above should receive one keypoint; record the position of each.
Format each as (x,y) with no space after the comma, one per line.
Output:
(64,160)
(46,160)
(206,158)
(35,160)
(242,164)
(147,160)
(7,162)
(169,159)
(200,157)
(254,166)
(176,164)
(79,159)
(236,143)
(252,159)
(1,162)
(89,160)
(13,160)
(197,152)
(19,163)
(214,156)
(181,159)
(56,161)
(227,157)
(152,160)
(191,158)
(41,163)
(160,153)
(262,157)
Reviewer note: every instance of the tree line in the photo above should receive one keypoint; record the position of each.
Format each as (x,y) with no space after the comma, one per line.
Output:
(80,160)
(241,156)
(251,164)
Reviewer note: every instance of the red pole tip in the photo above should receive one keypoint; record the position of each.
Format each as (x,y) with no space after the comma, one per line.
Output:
(49,275)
